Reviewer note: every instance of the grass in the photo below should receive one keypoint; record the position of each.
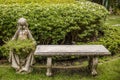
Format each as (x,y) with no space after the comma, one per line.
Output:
(107,71)
(113,20)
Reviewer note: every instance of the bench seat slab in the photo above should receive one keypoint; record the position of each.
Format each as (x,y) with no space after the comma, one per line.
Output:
(83,50)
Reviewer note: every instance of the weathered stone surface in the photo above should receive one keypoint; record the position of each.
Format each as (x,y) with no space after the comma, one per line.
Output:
(49,66)
(92,65)
(22,65)
(83,50)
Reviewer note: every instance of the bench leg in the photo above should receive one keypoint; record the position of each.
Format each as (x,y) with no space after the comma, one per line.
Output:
(92,65)
(49,66)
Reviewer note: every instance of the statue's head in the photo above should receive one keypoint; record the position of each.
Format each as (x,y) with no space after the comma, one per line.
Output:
(22,22)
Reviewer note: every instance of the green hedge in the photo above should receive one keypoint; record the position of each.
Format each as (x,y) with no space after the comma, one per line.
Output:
(111,39)
(55,23)
(34,1)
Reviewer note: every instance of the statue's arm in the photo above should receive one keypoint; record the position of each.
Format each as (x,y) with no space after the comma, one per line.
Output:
(13,38)
(30,36)
(16,34)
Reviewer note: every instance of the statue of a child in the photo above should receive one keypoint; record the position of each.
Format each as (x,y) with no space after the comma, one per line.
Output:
(22,64)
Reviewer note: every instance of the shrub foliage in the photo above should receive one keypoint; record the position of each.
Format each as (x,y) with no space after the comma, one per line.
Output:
(55,23)
(19,46)
(35,1)
(111,39)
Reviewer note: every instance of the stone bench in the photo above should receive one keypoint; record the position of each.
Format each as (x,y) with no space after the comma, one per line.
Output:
(92,51)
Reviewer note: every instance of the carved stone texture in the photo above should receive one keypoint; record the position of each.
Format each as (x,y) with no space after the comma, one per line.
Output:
(92,65)
(22,33)
(49,66)
(22,22)
(82,50)
(62,50)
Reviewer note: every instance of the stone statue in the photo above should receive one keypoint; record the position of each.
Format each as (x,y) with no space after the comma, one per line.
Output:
(22,33)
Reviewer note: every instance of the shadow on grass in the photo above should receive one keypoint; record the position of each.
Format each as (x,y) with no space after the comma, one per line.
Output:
(63,74)
(106,71)
(70,72)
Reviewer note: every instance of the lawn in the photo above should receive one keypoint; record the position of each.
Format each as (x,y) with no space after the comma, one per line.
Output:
(107,71)
(113,20)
